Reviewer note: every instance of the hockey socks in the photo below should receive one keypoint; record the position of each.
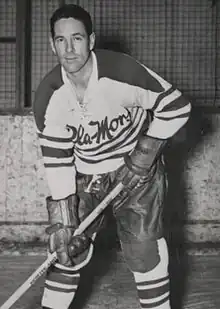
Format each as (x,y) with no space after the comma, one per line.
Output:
(153,286)
(60,287)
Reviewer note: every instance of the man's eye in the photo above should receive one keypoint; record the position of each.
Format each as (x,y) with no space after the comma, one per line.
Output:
(78,38)
(59,40)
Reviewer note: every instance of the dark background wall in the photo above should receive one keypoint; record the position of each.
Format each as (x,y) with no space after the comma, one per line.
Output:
(176,38)
(179,39)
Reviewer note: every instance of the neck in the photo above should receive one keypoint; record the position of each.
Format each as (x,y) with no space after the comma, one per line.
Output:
(82,76)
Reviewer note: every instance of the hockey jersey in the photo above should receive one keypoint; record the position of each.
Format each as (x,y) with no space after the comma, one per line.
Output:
(93,136)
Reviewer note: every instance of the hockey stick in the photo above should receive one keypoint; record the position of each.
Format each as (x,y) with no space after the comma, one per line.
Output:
(52,258)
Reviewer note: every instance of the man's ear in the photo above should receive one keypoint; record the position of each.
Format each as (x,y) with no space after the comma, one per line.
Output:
(52,45)
(91,40)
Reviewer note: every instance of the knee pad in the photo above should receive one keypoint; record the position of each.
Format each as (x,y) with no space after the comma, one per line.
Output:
(147,256)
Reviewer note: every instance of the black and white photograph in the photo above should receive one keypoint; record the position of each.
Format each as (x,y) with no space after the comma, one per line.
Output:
(109,154)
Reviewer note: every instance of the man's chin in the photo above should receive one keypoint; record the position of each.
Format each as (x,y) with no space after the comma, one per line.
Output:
(72,70)
(75,67)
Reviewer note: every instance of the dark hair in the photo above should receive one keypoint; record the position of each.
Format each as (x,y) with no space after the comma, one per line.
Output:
(74,11)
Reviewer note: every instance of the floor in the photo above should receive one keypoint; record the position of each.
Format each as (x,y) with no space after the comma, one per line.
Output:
(107,283)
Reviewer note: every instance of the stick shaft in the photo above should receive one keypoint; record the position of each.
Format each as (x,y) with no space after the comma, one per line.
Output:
(52,257)
(29,282)
(98,210)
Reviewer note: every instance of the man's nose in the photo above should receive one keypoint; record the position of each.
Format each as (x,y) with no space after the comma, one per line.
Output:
(70,47)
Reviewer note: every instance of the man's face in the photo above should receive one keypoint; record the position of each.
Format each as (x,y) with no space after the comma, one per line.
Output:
(71,44)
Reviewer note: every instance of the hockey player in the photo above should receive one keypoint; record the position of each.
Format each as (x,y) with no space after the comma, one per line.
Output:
(103,117)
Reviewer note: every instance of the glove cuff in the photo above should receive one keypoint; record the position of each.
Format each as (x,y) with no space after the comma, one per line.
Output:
(144,155)
(63,211)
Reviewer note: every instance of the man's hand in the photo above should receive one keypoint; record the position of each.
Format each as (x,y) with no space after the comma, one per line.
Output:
(64,220)
(140,166)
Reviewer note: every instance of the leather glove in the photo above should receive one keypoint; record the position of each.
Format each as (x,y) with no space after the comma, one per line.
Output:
(64,219)
(140,166)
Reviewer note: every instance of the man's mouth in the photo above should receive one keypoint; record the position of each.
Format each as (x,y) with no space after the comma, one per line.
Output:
(70,59)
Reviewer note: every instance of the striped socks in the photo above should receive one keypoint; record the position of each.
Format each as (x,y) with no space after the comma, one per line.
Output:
(153,286)
(60,287)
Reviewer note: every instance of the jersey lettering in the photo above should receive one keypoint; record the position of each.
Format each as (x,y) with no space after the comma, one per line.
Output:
(104,129)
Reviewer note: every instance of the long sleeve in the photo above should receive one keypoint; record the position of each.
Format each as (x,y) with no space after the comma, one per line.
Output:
(170,112)
(51,114)
(170,108)
(57,151)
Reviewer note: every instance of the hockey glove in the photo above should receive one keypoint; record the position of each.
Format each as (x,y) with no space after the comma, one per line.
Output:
(140,165)
(64,218)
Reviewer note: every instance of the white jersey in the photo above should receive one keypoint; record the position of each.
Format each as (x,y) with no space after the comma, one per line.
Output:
(93,136)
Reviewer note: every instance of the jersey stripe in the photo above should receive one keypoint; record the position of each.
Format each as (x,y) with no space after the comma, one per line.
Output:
(168,98)
(55,138)
(70,164)
(161,97)
(176,112)
(56,152)
(121,149)
(59,145)
(175,104)
(186,115)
